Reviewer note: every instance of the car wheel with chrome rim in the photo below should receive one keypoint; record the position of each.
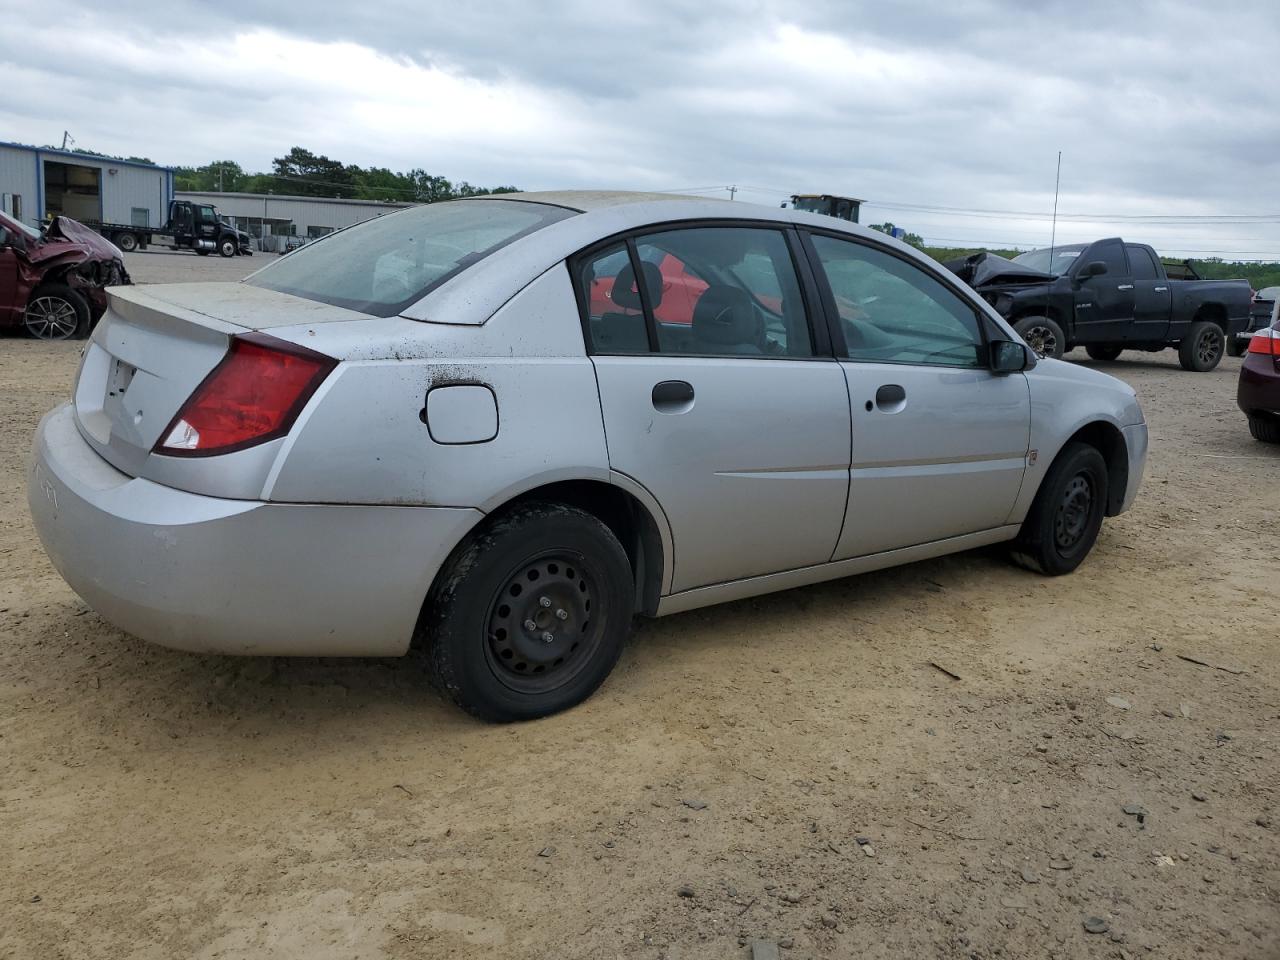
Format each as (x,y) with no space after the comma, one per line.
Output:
(56,312)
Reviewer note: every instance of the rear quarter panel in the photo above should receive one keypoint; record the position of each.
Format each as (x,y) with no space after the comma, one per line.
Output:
(363,440)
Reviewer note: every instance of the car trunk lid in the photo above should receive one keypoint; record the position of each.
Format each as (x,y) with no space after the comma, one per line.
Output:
(155,345)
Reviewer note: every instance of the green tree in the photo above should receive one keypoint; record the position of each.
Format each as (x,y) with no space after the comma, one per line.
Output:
(912,238)
(313,175)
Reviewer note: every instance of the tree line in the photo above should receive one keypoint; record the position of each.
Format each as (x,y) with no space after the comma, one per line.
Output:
(305,174)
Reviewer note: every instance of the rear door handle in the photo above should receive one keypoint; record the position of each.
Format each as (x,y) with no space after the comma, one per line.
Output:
(1161,289)
(672,396)
(890,398)
(1125,286)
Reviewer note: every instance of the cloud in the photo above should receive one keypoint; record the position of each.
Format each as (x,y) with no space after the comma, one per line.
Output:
(1158,108)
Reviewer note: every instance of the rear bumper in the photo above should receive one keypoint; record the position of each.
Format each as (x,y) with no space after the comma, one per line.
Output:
(1135,442)
(1259,386)
(233,576)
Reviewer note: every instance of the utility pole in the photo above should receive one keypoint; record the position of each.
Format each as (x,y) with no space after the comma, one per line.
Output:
(65,137)
(732,191)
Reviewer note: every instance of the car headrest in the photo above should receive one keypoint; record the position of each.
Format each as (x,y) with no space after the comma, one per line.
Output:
(624,286)
(724,316)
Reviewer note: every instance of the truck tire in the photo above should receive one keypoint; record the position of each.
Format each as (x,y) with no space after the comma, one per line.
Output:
(529,614)
(1202,348)
(1264,428)
(128,242)
(228,246)
(1042,335)
(1066,514)
(56,312)
(1101,352)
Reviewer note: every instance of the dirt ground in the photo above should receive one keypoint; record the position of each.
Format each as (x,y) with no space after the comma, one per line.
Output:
(156,804)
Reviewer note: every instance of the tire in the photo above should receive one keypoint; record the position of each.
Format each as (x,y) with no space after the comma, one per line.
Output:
(484,624)
(1264,428)
(1042,335)
(1202,348)
(128,242)
(1067,513)
(1103,353)
(228,247)
(56,312)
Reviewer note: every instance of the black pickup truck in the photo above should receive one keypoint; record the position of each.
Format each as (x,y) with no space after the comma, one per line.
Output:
(1108,296)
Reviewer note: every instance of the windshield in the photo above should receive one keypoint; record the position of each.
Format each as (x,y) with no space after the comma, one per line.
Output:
(19,227)
(1054,260)
(385,264)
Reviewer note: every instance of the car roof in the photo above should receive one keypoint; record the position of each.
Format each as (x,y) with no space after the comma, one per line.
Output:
(584,201)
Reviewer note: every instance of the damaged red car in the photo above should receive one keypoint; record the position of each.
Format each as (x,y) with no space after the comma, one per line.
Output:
(53,283)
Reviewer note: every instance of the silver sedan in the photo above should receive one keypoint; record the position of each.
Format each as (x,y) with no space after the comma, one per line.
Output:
(497,429)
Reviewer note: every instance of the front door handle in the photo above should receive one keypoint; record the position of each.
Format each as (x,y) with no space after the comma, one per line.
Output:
(672,396)
(1125,286)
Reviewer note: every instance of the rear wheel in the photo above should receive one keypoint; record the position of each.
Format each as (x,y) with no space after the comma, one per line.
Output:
(128,242)
(1264,428)
(1202,347)
(56,312)
(1067,513)
(530,614)
(227,246)
(1042,335)
(1103,353)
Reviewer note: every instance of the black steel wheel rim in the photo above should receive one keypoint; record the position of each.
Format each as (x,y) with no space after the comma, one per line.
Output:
(1209,346)
(1072,517)
(545,622)
(1042,340)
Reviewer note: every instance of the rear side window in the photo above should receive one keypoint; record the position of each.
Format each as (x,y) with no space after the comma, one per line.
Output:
(382,266)
(709,291)
(1143,266)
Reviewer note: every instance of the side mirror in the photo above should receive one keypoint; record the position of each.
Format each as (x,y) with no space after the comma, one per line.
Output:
(1010,357)
(1094,268)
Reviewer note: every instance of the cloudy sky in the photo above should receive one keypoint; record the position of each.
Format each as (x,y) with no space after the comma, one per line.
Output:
(948,117)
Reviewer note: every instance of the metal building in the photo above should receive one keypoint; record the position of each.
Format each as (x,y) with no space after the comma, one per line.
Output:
(267,214)
(37,183)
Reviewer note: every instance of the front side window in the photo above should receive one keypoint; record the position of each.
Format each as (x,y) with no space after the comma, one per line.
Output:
(207,215)
(891,311)
(385,264)
(1110,252)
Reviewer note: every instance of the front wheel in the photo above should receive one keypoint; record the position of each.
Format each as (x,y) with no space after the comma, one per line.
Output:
(1202,347)
(227,246)
(56,312)
(1042,335)
(530,614)
(1067,513)
(1105,354)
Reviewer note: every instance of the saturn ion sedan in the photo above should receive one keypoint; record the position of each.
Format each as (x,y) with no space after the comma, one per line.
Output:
(472,429)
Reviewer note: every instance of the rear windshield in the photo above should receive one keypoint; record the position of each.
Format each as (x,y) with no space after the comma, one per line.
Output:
(385,264)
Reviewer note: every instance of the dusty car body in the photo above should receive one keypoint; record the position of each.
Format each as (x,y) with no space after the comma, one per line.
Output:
(427,429)
(53,283)
(1258,390)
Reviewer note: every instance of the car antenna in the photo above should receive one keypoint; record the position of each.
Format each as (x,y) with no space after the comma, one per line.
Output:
(1053,236)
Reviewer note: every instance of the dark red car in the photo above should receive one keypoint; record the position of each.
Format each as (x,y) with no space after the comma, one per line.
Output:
(1259,390)
(53,283)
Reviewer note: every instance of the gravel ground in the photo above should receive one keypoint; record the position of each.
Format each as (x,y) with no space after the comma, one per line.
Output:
(168,266)
(1077,775)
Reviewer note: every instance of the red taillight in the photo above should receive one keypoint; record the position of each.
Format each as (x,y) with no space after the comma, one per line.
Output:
(253,395)
(1266,342)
